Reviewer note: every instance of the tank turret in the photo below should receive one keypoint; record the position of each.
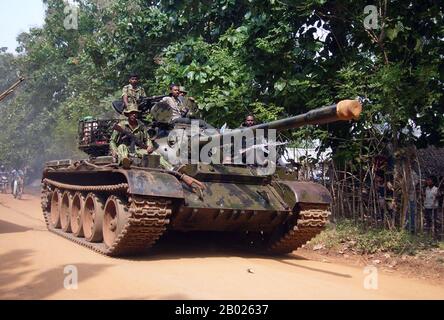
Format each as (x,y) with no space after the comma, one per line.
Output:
(176,141)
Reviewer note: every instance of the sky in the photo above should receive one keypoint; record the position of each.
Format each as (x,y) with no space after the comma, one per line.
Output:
(17,16)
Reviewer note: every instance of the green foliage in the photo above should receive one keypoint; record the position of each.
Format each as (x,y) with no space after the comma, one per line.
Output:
(216,78)
(235,57)
(367,240)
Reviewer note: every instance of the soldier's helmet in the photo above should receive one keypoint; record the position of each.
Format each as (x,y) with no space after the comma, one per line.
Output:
(162,112)
(183,90)
(130,109)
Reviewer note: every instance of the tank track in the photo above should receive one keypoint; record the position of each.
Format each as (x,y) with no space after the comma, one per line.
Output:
(148,220)
(311,221)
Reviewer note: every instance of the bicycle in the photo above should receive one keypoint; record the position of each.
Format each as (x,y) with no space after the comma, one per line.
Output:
(18,188)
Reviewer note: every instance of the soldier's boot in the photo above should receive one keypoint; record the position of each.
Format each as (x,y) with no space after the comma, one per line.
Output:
(123,155)
(126,163)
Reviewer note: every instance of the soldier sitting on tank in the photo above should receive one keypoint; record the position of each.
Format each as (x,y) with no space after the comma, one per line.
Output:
(250,121)
(177,108)
(189,105)
(132,92)
(175,103)
(121,145)
(258,143)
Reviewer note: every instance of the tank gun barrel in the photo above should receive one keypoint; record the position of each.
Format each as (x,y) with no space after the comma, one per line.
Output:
(11,89)
(344,110)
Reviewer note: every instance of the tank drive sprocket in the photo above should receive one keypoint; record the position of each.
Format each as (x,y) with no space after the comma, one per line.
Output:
(311,221)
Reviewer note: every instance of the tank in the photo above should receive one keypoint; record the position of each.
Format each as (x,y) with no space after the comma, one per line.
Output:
(118,212)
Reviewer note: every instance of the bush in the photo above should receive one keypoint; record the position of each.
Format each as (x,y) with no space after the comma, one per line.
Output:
(368,240)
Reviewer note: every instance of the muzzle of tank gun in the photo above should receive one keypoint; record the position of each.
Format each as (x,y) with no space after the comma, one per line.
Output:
(342,111)
(348,110)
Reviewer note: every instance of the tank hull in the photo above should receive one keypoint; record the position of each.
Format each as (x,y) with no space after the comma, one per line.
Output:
(120,212)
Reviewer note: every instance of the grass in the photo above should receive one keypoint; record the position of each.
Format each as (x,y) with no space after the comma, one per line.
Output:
(369,240)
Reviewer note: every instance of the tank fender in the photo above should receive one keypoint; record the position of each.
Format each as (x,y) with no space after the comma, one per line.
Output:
(156,184)
(294,192)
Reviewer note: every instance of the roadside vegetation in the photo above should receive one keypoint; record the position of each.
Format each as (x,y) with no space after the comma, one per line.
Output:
(350,236)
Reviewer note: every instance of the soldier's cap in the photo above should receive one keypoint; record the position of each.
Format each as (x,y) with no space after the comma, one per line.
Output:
(130,110)
(183,90)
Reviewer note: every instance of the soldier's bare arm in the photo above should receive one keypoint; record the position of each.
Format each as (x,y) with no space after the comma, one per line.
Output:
(125,101)
(150,148)
(125,97)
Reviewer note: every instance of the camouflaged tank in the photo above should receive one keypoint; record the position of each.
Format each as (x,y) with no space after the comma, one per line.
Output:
(117,211)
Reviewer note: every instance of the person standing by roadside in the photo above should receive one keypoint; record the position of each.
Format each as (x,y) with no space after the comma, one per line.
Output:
(12,176)
(3,179)
(432,218)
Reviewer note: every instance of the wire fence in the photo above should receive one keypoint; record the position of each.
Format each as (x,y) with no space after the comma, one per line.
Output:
(379,194)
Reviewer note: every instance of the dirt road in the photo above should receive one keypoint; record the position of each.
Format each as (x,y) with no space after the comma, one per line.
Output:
(33,261)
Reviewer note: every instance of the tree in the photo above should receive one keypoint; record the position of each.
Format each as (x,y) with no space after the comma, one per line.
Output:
(275,58)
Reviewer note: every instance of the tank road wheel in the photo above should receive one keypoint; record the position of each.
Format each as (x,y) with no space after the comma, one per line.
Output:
(65,210)
(78,203)
(93,218)
(56,200)
(116,217)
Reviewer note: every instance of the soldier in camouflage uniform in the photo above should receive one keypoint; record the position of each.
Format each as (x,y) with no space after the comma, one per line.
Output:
(132,92)
(120,147)
(120,144)
(189,105)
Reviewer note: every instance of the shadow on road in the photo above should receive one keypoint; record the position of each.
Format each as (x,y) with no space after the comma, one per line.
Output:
(21,213)
(291,263)
(175,246)
(8,227)
(19,281)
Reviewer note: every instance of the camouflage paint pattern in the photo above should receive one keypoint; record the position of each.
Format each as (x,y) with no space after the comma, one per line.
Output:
(236,196)
(294,192)
(145,183)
